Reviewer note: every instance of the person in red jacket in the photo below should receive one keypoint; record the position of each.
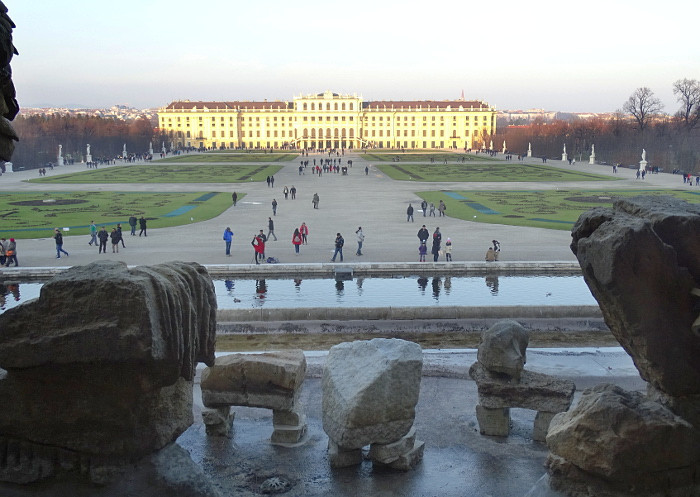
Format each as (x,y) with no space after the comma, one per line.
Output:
(304,231)
(258,244)
(296,240)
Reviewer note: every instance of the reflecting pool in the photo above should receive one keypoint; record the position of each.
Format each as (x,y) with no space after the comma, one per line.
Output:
(401,291)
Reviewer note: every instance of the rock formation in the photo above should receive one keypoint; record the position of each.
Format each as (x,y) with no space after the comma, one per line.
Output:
(370,391)
(641,260)
(8,103)
(271,380)
(502,383)
(100,367)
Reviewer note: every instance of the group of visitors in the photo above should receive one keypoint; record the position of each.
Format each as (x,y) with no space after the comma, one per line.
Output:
(8,252)
(428,209)
(259,241)
(101,236)
(299,237)
(437,250)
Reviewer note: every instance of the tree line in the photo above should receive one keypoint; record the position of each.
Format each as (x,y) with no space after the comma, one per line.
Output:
(672,141)
(40,136)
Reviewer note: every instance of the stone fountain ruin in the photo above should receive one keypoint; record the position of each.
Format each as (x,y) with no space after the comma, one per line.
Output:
(97,382)
(641,260)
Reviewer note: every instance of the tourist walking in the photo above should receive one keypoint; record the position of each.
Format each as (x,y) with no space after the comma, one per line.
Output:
(11,253)
(234,197)
(59,243)
(103,236)
(424,206)
(274,207)
(441,208)
(423,234)
(93,233)
(286,192)
(296,240)
(448,250)
(121,237)
(304,230)
(360,239)
(339,242)
(142,225)
(132,223)
(258,244)
(114,236)
(437,239)
(431,212)
(315,200)
(293,192)
(422,251)
(271,228)
(228,238)
(409,213)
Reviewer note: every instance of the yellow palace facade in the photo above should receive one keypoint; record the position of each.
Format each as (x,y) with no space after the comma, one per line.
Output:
(329,120)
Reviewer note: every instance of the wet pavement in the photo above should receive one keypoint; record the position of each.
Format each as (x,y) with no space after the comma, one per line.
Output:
(458,461)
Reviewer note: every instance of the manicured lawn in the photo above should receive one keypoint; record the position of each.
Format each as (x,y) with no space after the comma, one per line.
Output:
(438,157)
(557,209)
(485,171)
(167,173)
(230,157)
(36,214)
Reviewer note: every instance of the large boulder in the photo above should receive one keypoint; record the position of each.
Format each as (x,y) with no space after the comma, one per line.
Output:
(99,368)
(622,439)
(370,391)
(161,317)
(503,348)
(641,259)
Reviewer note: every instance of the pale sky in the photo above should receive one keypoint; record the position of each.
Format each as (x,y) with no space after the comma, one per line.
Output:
(513,54)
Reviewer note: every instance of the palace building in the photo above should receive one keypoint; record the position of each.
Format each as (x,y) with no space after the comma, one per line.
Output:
(329,120)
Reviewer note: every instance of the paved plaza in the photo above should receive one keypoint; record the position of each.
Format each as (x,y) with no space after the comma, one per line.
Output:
(373,201)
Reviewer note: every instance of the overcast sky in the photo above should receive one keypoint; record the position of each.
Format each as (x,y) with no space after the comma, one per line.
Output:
(514,54)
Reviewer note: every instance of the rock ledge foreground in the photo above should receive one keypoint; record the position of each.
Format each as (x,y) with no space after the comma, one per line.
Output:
(97,374)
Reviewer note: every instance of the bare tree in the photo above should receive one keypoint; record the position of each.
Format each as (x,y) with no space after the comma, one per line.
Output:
(643,105)
(687,92)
